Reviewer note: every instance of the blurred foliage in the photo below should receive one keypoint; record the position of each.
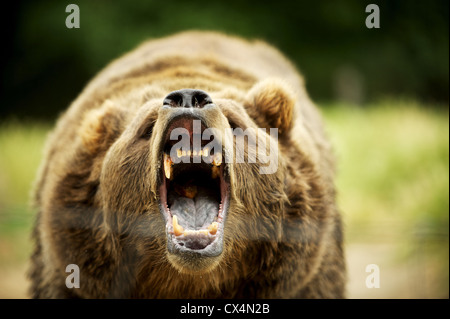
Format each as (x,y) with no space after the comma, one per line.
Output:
(45,65)
(393,169)
(21,149)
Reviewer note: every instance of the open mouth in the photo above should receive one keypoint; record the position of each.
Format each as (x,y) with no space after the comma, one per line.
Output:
(194,194)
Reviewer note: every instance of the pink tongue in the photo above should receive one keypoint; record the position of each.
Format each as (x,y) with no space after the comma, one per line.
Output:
(197,212)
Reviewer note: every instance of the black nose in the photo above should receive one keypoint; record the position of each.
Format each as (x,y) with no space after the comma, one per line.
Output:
(187,98)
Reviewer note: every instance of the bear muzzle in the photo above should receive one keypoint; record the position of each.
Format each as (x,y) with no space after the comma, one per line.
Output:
(194,184)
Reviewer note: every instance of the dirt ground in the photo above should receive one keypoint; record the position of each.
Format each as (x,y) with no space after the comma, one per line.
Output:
(415,277)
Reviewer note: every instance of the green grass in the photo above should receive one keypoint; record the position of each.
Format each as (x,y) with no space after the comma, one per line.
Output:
(392,181)
(393,168)
(21,147)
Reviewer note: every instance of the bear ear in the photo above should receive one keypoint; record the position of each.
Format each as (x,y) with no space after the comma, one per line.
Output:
(101,127)
(271,104)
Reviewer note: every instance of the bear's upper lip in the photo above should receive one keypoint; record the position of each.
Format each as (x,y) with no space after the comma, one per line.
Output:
(194,192)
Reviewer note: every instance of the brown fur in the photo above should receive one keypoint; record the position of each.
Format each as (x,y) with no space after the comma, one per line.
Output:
(98,203)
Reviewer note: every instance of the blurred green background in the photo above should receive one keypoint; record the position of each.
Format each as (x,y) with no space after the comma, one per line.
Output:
(383,93)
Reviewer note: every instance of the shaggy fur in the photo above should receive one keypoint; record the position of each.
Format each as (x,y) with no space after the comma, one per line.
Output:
(97,198)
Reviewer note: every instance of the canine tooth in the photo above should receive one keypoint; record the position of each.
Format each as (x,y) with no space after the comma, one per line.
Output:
(167,166)
(217,159)
(215,172)
(213,228)
(177,229)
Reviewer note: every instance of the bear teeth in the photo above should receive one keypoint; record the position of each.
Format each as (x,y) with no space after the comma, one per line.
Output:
(213,228)
(168,170)
(216,159)
(215,172)
(189,232)
(178,230)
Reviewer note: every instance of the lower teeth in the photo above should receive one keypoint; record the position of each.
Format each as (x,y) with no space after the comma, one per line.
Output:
(178,230)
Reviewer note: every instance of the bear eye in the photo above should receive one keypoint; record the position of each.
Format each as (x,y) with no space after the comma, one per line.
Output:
(147,131)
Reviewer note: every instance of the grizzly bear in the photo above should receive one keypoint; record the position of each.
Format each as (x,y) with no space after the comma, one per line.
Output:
(195,166)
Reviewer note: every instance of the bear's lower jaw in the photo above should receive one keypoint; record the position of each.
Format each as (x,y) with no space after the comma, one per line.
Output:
(191,263)
(197,250)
